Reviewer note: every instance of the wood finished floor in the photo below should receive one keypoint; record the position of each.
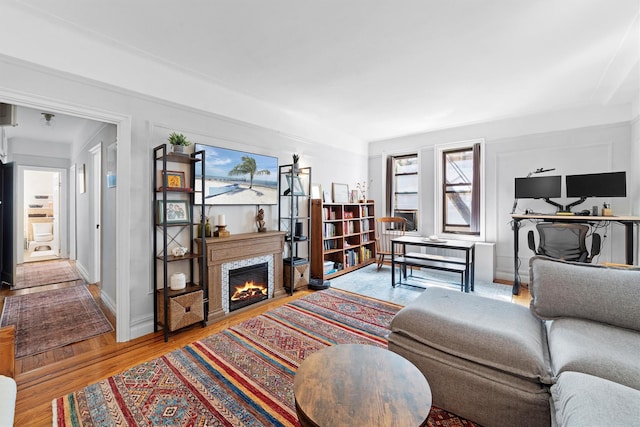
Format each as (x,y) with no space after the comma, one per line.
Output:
(44,377)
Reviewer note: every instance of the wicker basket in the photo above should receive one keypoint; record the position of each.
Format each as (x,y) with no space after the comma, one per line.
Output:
(184,310)
(300,274)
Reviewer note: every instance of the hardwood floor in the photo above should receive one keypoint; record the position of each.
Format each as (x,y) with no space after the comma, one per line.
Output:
(44,377)
(50,375)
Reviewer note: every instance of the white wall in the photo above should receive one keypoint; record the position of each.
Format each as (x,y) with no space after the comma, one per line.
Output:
(59,92)
(578,141)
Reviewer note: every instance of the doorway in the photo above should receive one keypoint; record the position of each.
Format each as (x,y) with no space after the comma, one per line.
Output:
(41,214)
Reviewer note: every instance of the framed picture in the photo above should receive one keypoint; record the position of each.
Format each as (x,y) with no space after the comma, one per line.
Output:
(316,191)
(340,193)
(177,211)
(296,185)
(173,180)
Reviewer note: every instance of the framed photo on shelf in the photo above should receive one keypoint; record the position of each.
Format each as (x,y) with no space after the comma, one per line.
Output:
(177,211)
(340,193)
(296,185)
(316,191)
(174,180)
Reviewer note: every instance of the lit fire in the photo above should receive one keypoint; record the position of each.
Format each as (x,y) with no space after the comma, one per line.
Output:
(249,290)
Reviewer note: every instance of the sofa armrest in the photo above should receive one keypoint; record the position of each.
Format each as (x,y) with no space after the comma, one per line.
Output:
(584,291)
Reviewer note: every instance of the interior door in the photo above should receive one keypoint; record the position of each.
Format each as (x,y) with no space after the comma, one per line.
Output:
(7,266)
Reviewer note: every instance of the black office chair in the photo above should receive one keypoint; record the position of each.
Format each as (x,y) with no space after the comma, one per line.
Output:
(564,241)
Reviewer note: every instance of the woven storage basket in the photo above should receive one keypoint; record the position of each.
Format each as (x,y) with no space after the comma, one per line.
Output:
(184,310)
(300,275)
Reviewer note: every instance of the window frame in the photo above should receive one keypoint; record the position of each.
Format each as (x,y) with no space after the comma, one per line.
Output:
(439,202)
(389,206)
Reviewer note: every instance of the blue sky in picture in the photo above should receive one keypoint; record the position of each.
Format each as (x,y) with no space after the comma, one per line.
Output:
(220,161)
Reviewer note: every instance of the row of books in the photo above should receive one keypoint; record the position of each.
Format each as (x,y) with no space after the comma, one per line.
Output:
(332,213)
(356,256)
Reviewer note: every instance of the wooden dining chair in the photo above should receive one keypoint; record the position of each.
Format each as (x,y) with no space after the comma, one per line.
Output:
(387,229)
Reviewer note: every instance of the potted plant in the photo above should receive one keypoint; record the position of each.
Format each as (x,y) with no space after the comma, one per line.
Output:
(178,141)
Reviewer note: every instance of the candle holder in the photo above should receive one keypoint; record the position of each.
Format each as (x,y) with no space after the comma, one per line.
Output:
(221,232)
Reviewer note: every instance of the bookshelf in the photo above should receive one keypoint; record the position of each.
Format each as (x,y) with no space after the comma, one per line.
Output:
(342,237)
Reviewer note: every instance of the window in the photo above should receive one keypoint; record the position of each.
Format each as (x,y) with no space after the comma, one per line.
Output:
(402,188)
(460,188)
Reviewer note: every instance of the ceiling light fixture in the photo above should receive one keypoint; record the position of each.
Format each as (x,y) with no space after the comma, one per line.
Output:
(47,119)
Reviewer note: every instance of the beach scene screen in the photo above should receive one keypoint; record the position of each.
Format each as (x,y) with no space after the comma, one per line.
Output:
(237,178)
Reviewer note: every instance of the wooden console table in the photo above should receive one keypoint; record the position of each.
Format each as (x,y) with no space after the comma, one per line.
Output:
(221,250)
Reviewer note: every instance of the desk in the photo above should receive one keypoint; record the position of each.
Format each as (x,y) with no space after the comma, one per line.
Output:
(360,385)
(627,221)
(468,247)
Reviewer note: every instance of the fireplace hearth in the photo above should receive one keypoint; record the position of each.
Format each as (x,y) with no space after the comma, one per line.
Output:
(248,285)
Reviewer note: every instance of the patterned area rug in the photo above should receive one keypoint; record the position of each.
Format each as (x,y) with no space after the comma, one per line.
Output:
(52,319)
(242,376)
(29,275)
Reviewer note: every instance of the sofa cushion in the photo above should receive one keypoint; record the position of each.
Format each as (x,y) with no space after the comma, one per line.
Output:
(8,391)
(585,291)
(584,400)
(492,333)
(596,349)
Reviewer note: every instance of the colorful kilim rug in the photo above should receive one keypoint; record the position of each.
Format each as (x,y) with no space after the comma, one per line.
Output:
(242,376)
(29,275)
(54,318)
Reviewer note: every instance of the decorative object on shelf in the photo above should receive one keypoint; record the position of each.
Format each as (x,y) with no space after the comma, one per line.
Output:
(316,191)
(179,251)
(173,180)
(260,221)
(353,198)
(362,188)
(340,193)
(177,211)
(295,169)
(295,185)
(222,227)
(178,281)
(178,141)
(606,210)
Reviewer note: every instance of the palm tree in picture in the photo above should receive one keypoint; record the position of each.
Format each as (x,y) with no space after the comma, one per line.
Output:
(248,167)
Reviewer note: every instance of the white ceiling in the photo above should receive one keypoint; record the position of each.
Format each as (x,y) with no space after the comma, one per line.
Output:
(379,69)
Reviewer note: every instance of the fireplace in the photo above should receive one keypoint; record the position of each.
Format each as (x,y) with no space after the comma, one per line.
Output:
(248,285)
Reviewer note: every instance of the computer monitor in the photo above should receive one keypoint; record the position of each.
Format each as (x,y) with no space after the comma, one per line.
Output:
(539,187)
(608,184)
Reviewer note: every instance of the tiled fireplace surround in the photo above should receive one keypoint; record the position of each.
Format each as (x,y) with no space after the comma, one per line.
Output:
(241,250)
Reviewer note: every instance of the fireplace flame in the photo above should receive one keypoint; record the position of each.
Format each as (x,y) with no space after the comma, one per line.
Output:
(249,290)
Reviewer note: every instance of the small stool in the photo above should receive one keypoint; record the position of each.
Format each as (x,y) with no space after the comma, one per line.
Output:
(485,359)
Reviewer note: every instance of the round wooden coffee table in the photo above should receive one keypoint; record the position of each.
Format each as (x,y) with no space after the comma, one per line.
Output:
(354,384)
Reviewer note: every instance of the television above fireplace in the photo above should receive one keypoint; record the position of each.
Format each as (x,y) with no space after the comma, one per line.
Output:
(235,177)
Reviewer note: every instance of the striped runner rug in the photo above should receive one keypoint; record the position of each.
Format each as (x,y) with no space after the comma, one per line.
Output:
(242,376)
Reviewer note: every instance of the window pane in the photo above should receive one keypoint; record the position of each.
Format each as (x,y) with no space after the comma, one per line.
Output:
(406,164)
(458,209)
(459,167)
(406,201)
(407,184)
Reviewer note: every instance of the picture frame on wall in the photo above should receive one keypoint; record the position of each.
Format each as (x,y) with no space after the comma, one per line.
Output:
(177,212)
(340,193)
(174,180)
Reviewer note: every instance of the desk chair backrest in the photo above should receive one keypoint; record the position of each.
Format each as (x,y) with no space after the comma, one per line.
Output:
(388,228)
(565,241)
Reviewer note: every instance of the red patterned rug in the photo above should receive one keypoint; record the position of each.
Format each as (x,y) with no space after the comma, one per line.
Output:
(242,376)
(54,318)
(29,275)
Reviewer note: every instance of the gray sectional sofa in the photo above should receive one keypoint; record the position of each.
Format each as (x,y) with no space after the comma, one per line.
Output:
(571,359)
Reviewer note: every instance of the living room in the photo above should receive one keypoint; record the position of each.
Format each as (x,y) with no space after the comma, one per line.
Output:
(597,131)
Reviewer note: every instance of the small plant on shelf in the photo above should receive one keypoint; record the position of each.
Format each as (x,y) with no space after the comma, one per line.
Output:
(179,141)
